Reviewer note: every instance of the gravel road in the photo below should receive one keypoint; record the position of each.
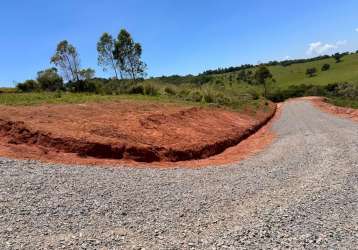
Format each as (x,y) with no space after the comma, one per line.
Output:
(301,192)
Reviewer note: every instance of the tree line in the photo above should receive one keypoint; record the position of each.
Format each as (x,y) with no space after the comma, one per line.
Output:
(122,56)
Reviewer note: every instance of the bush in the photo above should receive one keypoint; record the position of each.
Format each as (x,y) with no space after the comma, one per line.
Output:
(208,96)
(58,94)
(195,96)
(346,90)
(311,72)
(136,89)
(169,90)
(325,67)
(150,89)
(221,99)
(339,90)
(91,86)
(49,80)
(111,87)
(28,86)
(201,80)
(184,93)
(254,94)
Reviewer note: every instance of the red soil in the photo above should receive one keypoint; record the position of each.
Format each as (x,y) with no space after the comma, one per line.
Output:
(112,133)
(340,111)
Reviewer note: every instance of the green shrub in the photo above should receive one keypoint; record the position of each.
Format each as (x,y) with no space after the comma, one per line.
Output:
(58,94)
(208,96)
(184,93)
(311,72)
(325,67)
(150,89)
(136,89)
(195,96)
(221,99)
(346,90)
(254,94)
(169,90)
(28,86)
(91,86)
(49,80)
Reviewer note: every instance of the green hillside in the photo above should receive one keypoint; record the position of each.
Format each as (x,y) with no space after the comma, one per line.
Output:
(295,74)
(345,71)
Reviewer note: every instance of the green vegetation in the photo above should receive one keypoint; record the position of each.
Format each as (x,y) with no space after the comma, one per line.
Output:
(345,71)
(8,90)
(325,67)
(36,98)
(311,72)
(233,87)
(344,102)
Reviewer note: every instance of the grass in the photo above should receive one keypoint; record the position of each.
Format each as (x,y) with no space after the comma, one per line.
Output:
(30,99)
(345,71)
(344,102)
(8,90)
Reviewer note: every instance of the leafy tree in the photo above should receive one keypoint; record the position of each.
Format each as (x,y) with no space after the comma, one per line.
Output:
(49,80)
(66,58)
(326,67)
(105,49)
(87,74)
(128,55)
(338,57)
(311,72)
(28,86)
(262,74)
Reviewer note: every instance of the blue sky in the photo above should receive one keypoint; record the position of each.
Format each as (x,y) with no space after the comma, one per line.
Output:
(178,36)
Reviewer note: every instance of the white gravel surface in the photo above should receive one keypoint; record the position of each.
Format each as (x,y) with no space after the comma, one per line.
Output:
(301,192)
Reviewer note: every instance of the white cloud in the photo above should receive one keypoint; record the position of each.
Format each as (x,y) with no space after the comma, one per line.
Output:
(357,29)
(341,43)
(319,48)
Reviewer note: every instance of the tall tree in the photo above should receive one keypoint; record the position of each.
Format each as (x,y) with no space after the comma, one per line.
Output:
(105,49)
(262,74)
(128,55)
(67,59)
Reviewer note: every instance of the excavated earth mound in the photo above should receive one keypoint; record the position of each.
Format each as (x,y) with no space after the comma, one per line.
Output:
(143,132)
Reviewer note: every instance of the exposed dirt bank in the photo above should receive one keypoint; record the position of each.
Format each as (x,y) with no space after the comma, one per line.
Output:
(330,108)
(125,131)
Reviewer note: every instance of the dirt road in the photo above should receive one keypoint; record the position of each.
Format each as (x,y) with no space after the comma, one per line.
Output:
(301,192)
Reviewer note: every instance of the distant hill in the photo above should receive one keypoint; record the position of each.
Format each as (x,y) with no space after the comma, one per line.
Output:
(295,73)
(345,71)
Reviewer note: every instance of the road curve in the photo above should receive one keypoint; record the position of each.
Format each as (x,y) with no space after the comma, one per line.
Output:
(301,192)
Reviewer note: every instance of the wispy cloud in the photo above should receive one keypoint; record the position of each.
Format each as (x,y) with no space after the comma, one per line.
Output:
(357,29)
(341,43)
(319,48)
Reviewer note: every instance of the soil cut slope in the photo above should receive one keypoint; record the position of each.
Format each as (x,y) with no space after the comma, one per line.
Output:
(144,132)
(322,104)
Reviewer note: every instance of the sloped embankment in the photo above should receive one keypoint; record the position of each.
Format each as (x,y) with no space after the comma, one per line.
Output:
(322,104)
(140,132)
